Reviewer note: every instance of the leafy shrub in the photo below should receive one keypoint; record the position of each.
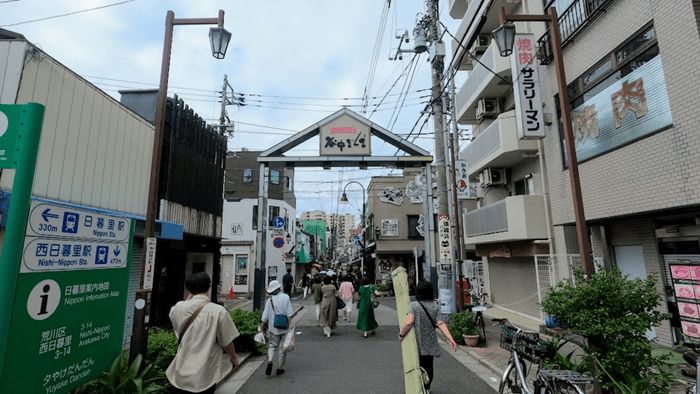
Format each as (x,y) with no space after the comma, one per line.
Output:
(123,378)
(247,324)
(613,313)
(384,287)
(462,324)
(162,346)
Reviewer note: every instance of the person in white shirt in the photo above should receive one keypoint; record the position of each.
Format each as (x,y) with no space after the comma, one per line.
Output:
(196,367)
(277,304)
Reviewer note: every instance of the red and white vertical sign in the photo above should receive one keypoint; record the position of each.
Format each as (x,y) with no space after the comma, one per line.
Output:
(444,234)
(526,87)
(149,262)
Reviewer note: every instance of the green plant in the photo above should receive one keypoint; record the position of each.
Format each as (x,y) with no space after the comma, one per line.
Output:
(162,346)
(249,295)
(123,378)
(247,324)
(384,287)
(565,361)
(651,383)
(613,313)
(462,324)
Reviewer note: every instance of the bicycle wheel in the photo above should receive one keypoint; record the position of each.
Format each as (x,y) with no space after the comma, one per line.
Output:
(510,382)
(482,325)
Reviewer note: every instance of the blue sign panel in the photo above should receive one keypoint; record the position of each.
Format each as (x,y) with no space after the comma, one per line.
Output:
(630,109)
(278,222)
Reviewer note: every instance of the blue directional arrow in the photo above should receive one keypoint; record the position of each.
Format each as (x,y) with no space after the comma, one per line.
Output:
(117,251)
(46,215)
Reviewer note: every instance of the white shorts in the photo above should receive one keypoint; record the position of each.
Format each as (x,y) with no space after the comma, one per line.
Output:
(348,304)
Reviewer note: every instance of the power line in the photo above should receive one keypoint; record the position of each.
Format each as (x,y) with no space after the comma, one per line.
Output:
(70,13)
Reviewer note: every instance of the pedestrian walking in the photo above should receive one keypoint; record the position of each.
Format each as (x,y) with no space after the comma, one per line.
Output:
(304,283)
(422,315)
(316,289)
(328,318)
(203,328)
(365,313)
(346,290)
(277,304)
(288,282)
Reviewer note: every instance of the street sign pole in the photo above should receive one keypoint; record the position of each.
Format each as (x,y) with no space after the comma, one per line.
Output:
(26,121)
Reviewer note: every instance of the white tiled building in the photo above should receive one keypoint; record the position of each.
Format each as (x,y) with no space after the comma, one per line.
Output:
(631,75)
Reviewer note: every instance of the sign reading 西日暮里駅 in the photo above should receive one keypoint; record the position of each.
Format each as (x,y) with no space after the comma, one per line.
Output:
(345,136)
(67,323)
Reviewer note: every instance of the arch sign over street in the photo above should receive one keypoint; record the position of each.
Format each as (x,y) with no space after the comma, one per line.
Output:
(344,140)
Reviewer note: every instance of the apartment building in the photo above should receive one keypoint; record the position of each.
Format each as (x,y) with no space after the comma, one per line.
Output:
(631,82)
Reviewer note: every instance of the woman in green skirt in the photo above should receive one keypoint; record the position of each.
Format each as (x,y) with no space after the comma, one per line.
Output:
(365,313)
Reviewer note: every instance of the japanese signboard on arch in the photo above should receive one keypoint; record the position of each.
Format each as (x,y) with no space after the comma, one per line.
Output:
(345,136)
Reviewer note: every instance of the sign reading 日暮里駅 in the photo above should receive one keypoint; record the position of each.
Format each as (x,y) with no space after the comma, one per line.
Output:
(345,136)
(630,109)
(68,319)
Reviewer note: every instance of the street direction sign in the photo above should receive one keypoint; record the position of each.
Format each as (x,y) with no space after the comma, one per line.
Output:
(9,119)
(46,219)
(149,262)
(278,222)
(357,237)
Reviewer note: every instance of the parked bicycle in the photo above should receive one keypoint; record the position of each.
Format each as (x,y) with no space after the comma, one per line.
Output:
(478,306)
(524,346)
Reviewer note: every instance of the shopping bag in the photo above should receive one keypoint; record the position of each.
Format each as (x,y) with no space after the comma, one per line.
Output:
(289,340)
(260,338)
(339,301)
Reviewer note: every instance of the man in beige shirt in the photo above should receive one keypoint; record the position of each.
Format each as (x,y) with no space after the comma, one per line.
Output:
(196,367)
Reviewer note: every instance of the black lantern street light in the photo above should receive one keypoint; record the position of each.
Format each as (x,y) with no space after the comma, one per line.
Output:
(219,39)
(344,200)
(505,37)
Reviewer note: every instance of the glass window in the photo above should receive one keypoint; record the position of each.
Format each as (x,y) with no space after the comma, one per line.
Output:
(274,177)
(413,226)
(247,175)
(524,186)
(594,75)
(639,61)
(255,217)
(629,50)
(274,212)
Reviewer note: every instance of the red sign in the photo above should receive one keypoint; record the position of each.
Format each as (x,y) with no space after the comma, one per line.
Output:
(278,242)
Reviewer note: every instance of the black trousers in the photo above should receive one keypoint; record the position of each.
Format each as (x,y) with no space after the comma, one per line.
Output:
(426,362)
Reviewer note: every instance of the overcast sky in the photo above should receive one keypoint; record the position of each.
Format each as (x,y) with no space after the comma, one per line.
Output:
(295,62)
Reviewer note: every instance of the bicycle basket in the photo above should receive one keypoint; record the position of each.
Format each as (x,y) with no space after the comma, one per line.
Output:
(507,336)
(530,347)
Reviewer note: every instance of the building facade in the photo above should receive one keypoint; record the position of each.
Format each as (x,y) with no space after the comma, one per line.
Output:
(631,99)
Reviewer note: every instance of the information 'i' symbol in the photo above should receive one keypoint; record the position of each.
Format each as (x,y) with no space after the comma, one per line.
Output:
(43,299)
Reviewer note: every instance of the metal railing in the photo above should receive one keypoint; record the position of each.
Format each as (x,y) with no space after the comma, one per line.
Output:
(571,22)
(490,219)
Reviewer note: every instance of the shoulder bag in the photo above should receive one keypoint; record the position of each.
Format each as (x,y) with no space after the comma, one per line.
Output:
(189,322)
(428,314)
(373,298)
(280,320)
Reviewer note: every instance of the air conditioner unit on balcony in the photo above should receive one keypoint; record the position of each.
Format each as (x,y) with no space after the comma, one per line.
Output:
(482,43)
(486,107)
(492,177)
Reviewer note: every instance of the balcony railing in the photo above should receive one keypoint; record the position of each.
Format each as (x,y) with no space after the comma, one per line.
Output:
(490,219)
(571,22)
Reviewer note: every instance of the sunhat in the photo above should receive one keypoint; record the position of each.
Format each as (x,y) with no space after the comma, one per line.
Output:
(274,285)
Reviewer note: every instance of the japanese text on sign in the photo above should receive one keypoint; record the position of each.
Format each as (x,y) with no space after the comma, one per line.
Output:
(345,136)
(528,101)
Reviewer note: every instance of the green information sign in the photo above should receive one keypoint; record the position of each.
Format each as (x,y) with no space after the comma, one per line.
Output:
(9,119)
(68,320)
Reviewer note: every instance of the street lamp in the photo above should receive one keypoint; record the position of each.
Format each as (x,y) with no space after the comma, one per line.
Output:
(219,39)
(344,200)
(504,37)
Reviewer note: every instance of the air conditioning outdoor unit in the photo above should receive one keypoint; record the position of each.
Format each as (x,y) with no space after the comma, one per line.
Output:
(482,43)
(486,107)
(492,177)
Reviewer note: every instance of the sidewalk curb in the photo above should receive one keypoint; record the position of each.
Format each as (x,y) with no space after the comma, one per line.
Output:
(486,364)
(243,357)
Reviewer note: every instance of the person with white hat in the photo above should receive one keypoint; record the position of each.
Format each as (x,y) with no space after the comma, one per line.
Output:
(277,308)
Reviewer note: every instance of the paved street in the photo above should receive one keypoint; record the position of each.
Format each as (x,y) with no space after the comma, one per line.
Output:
(348,363)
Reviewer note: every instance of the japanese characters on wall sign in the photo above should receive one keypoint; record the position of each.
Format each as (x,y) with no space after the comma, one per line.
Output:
(390,228)
(526,88)
(445,239)
(465,189)
(345,136)
(391,195)
(685,276)
(627,110)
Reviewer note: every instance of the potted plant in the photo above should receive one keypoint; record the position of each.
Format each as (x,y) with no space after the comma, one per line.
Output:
(463,330)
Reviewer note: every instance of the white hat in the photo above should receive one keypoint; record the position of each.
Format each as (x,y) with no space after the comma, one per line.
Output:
(330,273)
(274,285)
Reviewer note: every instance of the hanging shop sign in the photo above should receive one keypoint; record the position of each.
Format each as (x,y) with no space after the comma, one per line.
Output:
(631,108)
(465,189)
(526,88)
(345,136)
(444,233)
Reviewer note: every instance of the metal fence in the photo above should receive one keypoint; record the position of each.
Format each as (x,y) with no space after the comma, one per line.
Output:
(552,269)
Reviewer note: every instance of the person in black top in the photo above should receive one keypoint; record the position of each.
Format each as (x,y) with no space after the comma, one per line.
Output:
(287,282)
(304,283)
